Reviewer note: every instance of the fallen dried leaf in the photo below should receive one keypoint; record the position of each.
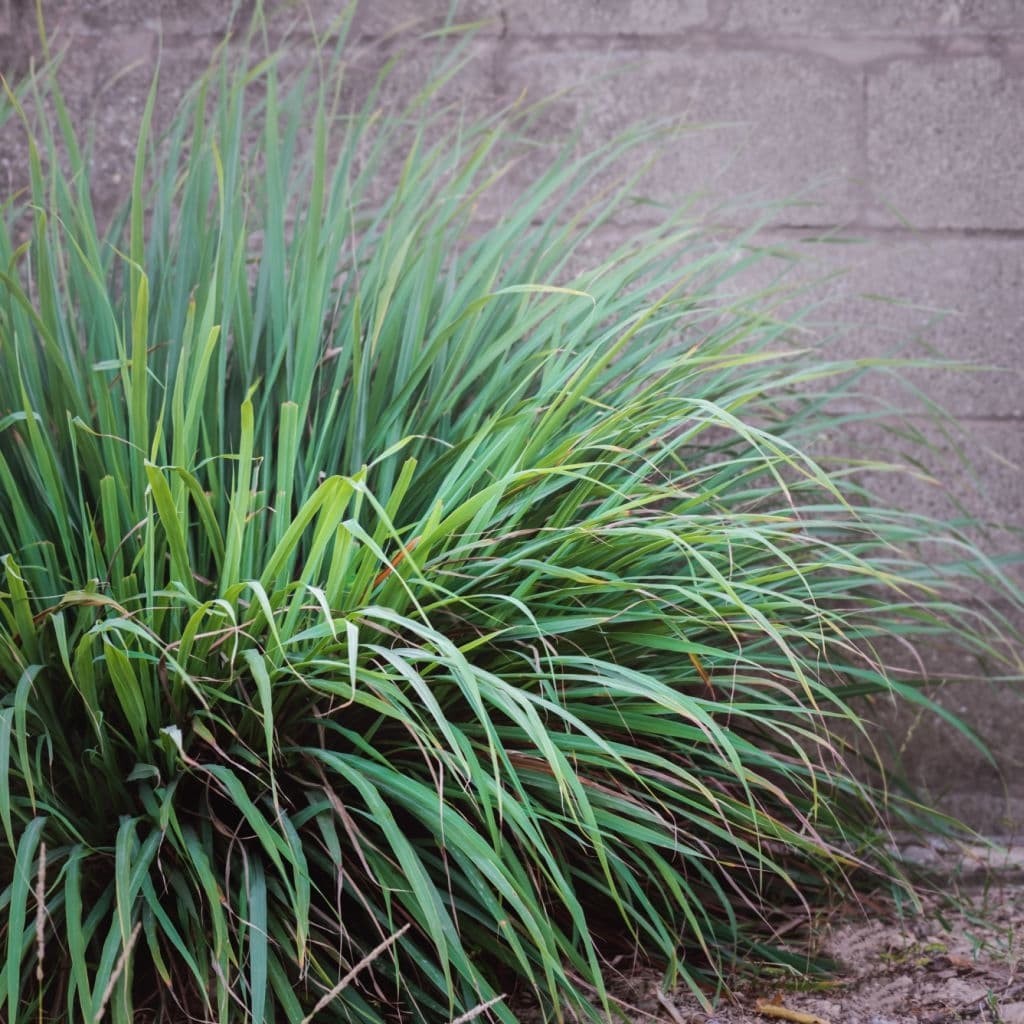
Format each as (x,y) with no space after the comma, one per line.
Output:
(770,1009)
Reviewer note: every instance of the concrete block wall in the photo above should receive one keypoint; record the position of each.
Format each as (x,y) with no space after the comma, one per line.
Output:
(901,122)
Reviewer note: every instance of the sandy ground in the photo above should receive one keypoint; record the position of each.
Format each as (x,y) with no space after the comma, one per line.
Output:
(943,966)
(961,959)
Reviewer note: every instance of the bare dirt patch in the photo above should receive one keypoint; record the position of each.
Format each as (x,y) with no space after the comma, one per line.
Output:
(961,959)
(944,965)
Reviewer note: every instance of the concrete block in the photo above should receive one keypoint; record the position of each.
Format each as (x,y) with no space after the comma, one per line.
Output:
(176,17)
(951,300)
(416,64)
(944,767)
(106,80)
(941,763)
(386,19)
(773,125)
(465,97)
(950,471)
(971,474)
(603,17)
(945,144)
(377,18)
(934,302)
(946,299)
(812,17)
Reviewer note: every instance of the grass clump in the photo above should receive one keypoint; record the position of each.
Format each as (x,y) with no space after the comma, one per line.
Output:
(395,613)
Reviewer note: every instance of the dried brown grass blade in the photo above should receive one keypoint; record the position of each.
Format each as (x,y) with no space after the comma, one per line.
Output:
(327,997)
(769,1009)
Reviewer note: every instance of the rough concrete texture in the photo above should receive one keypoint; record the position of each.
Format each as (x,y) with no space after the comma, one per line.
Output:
(773,126)
(827,17)
(943,764)
(526,18)
(971,471)
(604,17)
(900,122)
(933,298)
(397,18)
(946,143)
(172,16)
(947,298)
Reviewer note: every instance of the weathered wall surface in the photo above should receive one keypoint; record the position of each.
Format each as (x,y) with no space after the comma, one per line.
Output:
(900,121)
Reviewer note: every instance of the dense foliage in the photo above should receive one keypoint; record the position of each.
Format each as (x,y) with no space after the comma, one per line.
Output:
(393,611)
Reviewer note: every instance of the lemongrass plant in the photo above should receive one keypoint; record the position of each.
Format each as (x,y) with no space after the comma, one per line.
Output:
(395,614)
